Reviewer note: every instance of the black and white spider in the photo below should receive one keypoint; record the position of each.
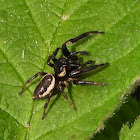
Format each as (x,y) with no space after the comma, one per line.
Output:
(66,68)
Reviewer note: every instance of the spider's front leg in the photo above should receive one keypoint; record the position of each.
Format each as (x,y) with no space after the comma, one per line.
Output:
(70,41)
(52,57)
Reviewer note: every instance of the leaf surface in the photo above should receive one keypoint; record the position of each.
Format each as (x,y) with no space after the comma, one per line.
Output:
(32,30)
(133,133)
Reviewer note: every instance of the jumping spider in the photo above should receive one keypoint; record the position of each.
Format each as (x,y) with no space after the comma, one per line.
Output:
(67,69)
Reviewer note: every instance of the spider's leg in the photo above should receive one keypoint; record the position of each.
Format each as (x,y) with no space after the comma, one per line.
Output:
(52,57)
(79,66)
(66,97)
(70,41)
(80,52)
(78,72)
(28,81)
(86,63)
(46,104)
(76,82)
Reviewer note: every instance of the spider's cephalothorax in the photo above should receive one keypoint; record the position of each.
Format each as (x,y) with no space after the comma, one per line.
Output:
(66,68)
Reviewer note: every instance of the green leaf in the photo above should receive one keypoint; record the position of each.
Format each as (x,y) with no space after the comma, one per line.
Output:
(133,133)
(127,113)
(31,30)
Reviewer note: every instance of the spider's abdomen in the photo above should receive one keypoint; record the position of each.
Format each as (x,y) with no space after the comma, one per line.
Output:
(44,88)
